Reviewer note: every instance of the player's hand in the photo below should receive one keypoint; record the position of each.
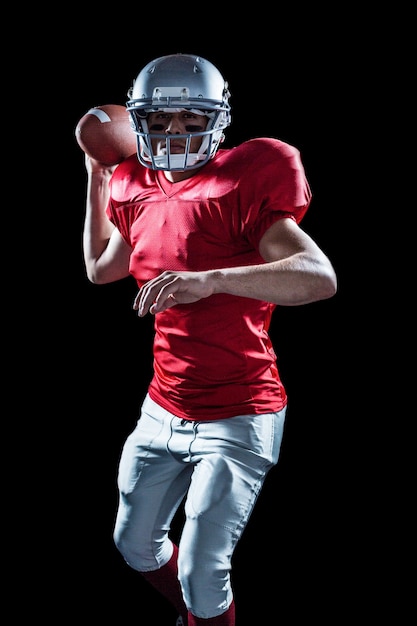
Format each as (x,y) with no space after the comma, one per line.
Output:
(93,166)
(172,288)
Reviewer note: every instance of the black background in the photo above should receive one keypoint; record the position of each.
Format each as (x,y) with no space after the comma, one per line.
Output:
(303,538)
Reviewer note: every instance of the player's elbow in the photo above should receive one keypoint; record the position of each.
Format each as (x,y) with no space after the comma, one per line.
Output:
(95,274)
(93,278)
(327,285)
(102,274)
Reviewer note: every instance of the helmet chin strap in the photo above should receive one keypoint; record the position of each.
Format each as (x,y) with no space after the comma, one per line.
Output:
(178,162)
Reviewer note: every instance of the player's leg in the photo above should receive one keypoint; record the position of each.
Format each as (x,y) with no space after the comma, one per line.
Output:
(152,484)
(232,457)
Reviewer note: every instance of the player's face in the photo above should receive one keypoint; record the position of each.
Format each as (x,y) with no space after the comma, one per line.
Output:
(178,123)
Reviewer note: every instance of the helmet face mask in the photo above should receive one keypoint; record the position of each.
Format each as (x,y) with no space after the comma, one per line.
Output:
(171,84)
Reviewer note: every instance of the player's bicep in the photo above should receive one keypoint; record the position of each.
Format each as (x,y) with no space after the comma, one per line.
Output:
(113,263)
(283,239)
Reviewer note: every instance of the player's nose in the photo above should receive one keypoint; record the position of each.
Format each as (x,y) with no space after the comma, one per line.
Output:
(174,126)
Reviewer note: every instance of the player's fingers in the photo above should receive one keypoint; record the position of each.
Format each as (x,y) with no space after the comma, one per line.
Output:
(153,297)
(163,302)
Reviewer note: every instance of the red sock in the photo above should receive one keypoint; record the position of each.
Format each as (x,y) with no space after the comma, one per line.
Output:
(165,580)
(225,619)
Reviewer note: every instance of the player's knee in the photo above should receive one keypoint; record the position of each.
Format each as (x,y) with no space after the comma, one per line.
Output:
(207,591)
(132,551)
(144,555)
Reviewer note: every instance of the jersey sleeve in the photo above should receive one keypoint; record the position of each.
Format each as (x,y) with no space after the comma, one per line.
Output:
(275,186)
(122,206)
(120,219)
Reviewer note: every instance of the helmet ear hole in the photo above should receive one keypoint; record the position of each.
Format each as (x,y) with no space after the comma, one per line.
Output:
(177,82)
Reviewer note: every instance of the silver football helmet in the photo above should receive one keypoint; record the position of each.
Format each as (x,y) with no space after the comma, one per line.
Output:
(174,83)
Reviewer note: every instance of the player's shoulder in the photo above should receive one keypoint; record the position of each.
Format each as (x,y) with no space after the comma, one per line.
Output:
(128,165)
(130,173)
(261,148)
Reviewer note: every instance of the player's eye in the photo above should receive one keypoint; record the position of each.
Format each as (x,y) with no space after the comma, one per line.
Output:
(193,128)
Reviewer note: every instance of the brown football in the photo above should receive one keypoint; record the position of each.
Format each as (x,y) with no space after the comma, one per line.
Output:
(105,134)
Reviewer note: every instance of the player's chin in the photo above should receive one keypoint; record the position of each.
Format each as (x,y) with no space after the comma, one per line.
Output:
(173,150)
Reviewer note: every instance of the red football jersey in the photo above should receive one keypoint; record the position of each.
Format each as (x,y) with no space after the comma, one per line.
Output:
(213,359)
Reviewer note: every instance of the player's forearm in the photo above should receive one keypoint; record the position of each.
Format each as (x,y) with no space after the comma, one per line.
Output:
(299,279)
(97,227)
